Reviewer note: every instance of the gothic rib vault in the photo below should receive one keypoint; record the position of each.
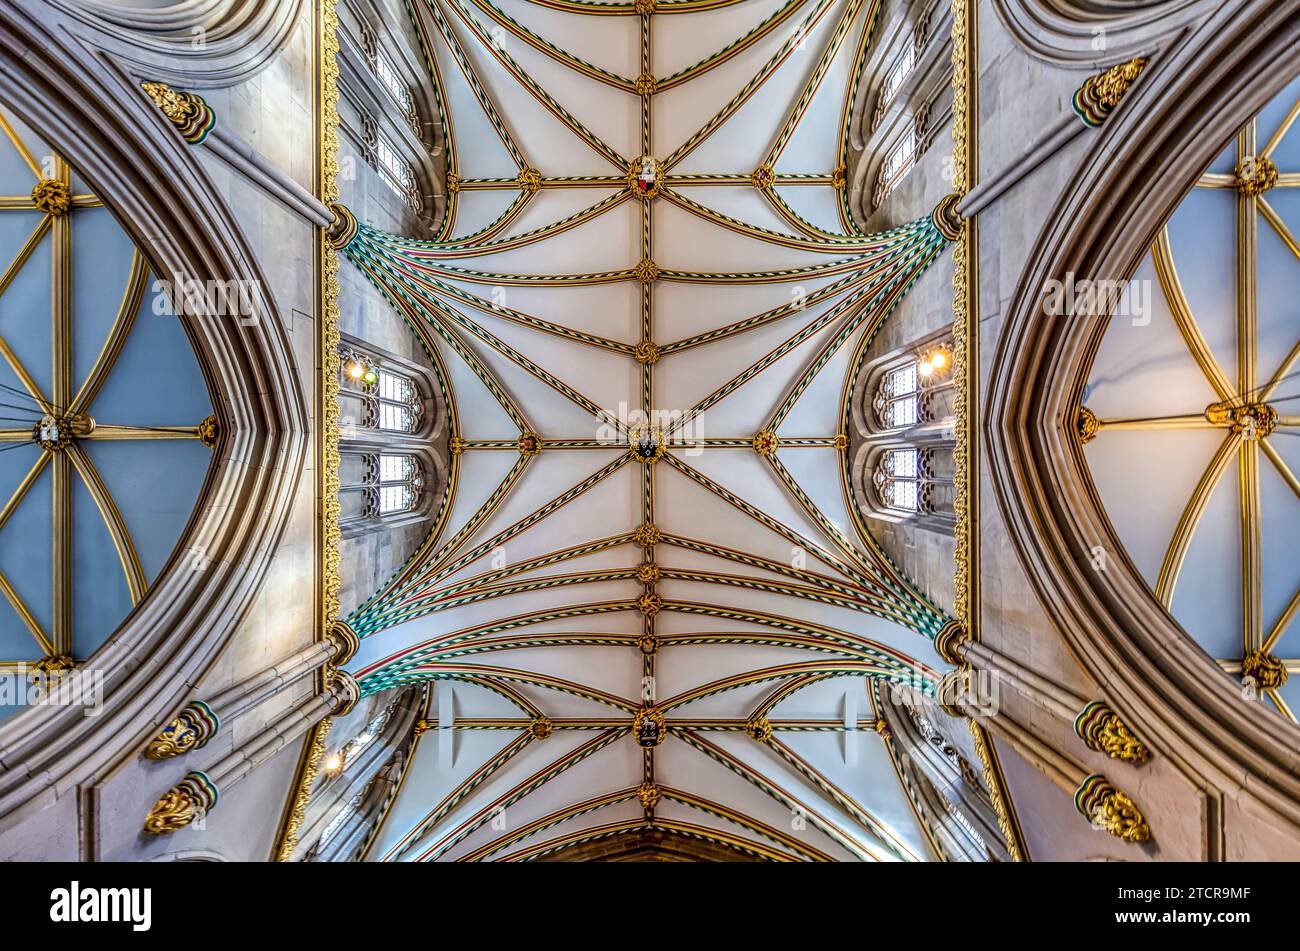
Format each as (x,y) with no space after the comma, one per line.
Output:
(645,601)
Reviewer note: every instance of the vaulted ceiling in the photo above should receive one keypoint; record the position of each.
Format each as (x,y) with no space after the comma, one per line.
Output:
(1194,391)
(645,562)
(89,516)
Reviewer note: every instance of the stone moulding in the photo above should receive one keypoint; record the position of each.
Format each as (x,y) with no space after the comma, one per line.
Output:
(58,81)
(1140,165)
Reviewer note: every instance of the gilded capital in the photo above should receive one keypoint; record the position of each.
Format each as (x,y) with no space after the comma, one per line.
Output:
(529,444)
(945,217)
(1100,94)
(190,799)
(209,431)
(766,442)
(649,727)
(347,690)
(953,691)
(646,352)
(189,113)
(530,179)
(346,640)
(649,604)
(343,228)
(646,271)
(947,642)
(192,728)
(1111,811)
(1254,175)
(1101,729)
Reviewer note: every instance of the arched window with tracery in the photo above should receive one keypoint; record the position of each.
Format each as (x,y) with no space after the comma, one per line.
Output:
(903,154)
(381,64)
(906,466)
(914,389)
(387,468)
(386,398)
(383,484)
(380,108)
(901,68)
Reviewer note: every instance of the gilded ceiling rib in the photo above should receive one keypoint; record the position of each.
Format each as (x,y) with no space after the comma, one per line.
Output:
(1176,554)
(1242,407)
(476,86)
(1283,469)
(457,796)
(801,106)
(513,795)
(573,811)
(415,276)
(1186,320)
(862,850)
(670,826)
(136,582)
(598,145)
(553,52)
(758,79)
(132,297)
(846,802)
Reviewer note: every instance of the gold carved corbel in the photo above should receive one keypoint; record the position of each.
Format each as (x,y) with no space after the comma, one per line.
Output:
(1111,811)
(1101,729)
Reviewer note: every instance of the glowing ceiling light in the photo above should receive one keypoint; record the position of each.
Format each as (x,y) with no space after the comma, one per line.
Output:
(355,370)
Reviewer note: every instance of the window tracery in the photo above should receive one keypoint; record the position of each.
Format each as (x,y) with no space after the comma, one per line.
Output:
(380,113)
(903,154)
(900,70)
(386,470)
(908,465)
(389,398)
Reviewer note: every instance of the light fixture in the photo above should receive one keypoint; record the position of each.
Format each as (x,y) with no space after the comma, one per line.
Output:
(355,370)
(934,361)
(370,377)
(334,763)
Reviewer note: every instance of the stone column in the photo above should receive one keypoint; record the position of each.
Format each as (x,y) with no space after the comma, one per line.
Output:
(199,721)
(1093,102)
(1100,727)
(197,793)
(1096,799)
(197,124)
